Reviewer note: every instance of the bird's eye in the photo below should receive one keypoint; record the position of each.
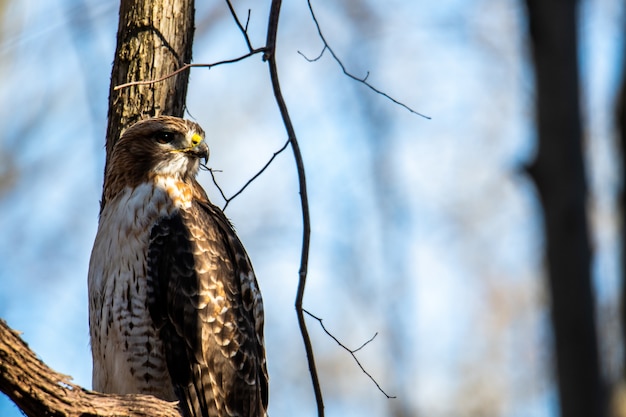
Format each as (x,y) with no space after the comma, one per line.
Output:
(164,137)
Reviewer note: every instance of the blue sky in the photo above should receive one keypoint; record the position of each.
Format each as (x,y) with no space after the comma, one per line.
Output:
(424,231)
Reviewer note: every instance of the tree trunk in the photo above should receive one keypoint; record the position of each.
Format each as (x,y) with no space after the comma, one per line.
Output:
(558,172)
(154,38)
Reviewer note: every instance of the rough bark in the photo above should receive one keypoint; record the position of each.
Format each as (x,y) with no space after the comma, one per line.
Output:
(154,39)
(40,391)
(558,172)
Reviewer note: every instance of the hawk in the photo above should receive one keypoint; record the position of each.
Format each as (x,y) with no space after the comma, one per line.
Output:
(174,306)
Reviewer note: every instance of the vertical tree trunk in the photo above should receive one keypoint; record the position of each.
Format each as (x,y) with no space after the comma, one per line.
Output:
(560,178)
(154,38)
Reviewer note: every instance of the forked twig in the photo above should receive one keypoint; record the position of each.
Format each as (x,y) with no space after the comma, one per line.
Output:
(244,30)
(362,80)
(250,181)
(352,352)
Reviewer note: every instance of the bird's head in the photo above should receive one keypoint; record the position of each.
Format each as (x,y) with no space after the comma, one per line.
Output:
(159,146)
(162,145)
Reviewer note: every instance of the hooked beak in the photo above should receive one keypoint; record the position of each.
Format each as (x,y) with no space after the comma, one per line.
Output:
(201,150)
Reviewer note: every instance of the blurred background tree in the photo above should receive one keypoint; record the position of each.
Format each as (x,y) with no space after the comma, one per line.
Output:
(559,174)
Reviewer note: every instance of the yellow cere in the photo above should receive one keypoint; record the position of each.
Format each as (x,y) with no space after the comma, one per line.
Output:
(196,139)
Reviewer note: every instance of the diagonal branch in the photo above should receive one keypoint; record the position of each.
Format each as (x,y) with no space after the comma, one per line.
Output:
(212,172)
(362,80)
(250,181)
(352,352)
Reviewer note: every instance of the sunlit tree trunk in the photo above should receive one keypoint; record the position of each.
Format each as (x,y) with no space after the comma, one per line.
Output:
(559,174)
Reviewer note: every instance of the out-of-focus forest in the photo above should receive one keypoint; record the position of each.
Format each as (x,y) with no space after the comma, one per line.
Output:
(426,232)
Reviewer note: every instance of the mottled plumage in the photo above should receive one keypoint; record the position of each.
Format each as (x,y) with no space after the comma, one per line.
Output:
(174,306)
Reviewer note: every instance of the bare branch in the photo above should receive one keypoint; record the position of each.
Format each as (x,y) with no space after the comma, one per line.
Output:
(317,58)
(267,164)
(211,171)
(187,66)
(244,30)
(247,21)
(351,351)
(270,57)
(39,391)
(367,342)
(347,73)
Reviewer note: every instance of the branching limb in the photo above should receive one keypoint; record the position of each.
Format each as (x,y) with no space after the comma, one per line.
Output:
(187,66)
(362,80)
(39,391)
(250,181)
(352,352)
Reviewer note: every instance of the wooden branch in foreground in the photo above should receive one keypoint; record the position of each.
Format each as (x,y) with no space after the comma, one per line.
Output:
(40,391)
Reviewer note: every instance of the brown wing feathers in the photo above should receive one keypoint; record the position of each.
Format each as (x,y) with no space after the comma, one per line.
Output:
(195,299)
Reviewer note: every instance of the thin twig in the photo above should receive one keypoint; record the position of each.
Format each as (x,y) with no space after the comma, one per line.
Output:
(347,73)
(257,174)
(270,57)
(352,352)
(244,30)
(211,171)
(317,58)
(267,164)
(367,342)
(187,66)
(247,21)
